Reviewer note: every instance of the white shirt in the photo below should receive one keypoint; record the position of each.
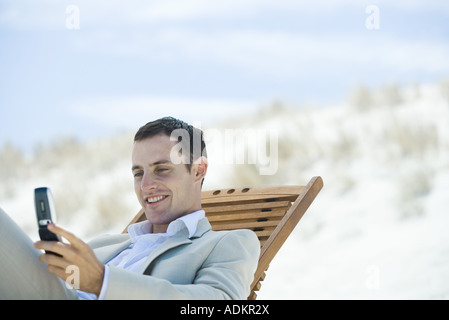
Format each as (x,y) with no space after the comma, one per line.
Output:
(143,242)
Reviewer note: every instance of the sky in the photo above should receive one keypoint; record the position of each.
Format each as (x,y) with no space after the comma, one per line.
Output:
(91,68)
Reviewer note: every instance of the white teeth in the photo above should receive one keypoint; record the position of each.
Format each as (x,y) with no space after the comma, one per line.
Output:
(155,199)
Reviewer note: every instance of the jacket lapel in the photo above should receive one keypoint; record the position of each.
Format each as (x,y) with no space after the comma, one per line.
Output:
(178,239)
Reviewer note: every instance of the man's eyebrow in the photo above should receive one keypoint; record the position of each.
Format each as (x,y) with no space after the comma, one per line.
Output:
(160,162)
(136,167)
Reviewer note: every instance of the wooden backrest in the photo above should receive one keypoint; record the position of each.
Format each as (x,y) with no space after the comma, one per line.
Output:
(271,212)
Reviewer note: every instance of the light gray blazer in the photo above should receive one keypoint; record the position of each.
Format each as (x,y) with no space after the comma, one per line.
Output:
(210,265)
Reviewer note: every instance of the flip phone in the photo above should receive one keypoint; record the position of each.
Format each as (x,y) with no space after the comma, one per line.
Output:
(45,212)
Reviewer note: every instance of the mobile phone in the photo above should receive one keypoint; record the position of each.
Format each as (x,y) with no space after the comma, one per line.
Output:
(45,212)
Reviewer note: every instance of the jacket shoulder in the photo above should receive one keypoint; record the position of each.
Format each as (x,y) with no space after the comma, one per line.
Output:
(244,237)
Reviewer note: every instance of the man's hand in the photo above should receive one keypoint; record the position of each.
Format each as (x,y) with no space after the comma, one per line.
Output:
(77,253)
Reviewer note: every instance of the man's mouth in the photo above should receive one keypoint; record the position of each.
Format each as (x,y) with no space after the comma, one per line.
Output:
(155,199)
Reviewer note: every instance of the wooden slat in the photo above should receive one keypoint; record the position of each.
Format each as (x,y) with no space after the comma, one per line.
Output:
(253,195)
(264,233)
(257,191)
(246,206)
(245,225)
(250,214)
(246,200)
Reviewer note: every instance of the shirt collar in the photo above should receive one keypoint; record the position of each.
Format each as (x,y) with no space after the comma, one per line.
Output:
(190,221)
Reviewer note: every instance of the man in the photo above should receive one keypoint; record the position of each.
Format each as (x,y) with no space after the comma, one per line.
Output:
(172,255)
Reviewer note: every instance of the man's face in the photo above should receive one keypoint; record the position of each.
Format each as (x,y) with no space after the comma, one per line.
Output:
(165,190)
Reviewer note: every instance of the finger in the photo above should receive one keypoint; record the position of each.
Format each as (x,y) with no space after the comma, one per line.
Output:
(44,245)
(60,248)
(74,240)
(53,260)
(58,271)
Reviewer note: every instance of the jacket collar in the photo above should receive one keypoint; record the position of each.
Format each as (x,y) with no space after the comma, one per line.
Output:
(203,227)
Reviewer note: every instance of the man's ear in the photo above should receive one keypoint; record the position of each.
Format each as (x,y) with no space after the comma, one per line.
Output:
(200,167)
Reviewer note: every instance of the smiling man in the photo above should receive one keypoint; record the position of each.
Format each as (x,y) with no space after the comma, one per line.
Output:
(165,190)
(173,254)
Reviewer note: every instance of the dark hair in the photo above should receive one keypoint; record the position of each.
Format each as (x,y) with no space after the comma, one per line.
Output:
(167,126)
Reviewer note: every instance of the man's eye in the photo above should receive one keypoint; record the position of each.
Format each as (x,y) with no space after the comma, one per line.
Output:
(137,174)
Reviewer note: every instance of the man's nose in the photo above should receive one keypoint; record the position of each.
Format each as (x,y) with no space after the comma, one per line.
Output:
(147,182)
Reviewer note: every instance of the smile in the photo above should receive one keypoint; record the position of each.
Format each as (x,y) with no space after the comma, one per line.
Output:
(156,199)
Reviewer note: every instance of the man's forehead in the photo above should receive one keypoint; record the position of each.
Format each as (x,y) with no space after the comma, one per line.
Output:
(154,150)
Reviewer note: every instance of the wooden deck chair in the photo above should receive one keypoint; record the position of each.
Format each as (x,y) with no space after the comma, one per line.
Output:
(271,212)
